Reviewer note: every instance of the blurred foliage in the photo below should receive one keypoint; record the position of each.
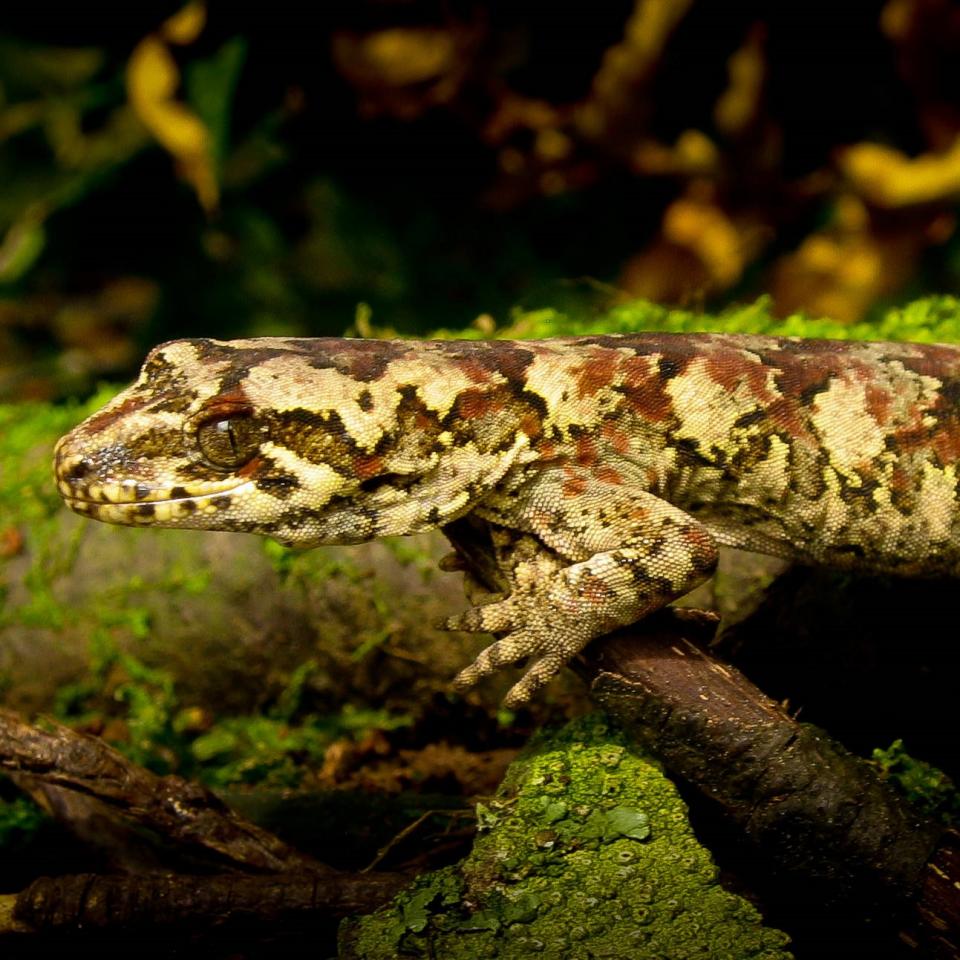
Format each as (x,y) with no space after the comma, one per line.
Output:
(137,708)
(930,790)
(20,819)
(229,171)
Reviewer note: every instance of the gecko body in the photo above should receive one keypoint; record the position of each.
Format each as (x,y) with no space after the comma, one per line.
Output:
(626,460)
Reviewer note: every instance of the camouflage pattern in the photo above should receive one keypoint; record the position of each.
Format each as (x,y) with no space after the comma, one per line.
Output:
(627,459)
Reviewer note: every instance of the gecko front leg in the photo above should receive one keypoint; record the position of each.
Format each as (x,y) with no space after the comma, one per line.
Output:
(622,553)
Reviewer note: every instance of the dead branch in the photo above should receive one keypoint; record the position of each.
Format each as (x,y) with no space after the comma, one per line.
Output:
(178,904)
(290,889)
(814,808)
(188,815)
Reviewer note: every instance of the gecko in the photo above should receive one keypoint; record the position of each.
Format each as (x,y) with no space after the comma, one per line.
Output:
(626,461)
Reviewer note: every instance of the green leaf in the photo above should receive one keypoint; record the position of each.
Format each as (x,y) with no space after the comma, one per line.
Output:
(210,86)
(628,822)
(216,743)
(415,915)
(22,245)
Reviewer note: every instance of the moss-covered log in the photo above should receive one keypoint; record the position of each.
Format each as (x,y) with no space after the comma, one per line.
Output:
(822,819)
(585,851)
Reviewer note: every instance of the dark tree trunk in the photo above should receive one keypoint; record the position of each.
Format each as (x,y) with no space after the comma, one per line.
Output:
(820,818)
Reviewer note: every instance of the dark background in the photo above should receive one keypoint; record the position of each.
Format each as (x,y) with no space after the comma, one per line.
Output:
(437,161)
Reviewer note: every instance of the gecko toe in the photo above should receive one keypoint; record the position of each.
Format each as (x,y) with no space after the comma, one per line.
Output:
(537,677)
(491,617)
(510,649)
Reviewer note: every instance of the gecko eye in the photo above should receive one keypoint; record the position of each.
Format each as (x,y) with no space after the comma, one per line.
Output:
(229,441)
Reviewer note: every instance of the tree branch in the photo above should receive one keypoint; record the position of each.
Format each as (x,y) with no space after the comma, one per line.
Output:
(817,814)
(187,814)
(183,904)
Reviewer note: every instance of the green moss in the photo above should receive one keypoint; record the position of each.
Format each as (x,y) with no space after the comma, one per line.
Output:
(137,704)
(20,820)
(933,319)
(303,567)
(158,732)
(27,434)
(930,790)
(585,851)
(270,751)
(29,503)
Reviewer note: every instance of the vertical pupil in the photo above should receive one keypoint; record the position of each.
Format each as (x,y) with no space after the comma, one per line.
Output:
(225,427)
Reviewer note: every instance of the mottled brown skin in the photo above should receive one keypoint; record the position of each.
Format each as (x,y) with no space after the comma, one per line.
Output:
(629,459)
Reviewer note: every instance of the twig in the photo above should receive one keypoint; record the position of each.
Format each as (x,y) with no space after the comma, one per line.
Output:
(408,830)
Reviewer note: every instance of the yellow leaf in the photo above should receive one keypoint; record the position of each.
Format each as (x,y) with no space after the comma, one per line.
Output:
(185,25)
(401,56)
(746,69)
(897,17)
(707,231)
(889,178)
(693,153)
(839,272)
(152,81)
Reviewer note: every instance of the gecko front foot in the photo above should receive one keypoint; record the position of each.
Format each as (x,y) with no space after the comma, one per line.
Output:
(549,641)
(553,611)
(547,619)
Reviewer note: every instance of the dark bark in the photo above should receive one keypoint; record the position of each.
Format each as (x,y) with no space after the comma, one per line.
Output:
(287,891)
(819,814)
(938,901)
(815,809)
(188,904)
(186,814)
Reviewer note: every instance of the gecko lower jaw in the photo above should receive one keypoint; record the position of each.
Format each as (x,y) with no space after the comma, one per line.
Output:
(129,492)
(112,503)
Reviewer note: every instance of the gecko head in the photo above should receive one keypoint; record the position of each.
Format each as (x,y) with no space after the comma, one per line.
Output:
(306,441)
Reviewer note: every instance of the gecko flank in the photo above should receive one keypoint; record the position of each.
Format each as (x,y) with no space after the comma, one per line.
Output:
(626,460)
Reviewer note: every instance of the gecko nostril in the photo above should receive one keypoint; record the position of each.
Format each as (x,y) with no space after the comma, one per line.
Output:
(78,470)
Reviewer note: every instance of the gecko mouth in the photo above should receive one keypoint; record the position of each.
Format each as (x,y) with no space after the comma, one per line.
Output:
(131,503)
